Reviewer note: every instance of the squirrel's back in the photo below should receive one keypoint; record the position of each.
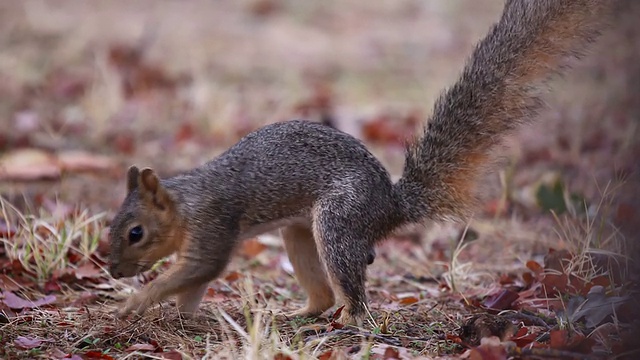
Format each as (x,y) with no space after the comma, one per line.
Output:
(290,164)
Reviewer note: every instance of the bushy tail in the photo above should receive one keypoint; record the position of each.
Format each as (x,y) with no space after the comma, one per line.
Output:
(500,88)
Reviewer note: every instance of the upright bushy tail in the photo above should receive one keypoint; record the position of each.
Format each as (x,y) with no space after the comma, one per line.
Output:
(499,89)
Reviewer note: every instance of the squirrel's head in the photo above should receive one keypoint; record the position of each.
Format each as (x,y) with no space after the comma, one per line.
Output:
(146,227)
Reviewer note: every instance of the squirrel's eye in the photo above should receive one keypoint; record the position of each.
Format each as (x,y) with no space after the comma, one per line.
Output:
(135,234)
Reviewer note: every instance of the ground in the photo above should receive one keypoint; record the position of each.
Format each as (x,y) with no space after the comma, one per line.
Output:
(88,89)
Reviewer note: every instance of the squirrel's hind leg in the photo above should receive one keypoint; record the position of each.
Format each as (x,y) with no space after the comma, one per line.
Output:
(302,252)
(187,301)
(345,254)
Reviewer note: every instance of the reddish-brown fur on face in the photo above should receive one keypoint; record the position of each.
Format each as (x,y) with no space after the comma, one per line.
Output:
(149,206)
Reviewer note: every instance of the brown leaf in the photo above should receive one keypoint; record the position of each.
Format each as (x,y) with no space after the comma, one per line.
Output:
(233,276)
(27,343)
(281,356)
(502,300)
(171,355)
(252,247)
(524,336)
(535,267)
(81,161)
(391,353)
(555,283)
(85,298)
(140,347)
(28,165)
(563,340)
(490,349)
(15,302)
(51,286)
(408,300)
(88,270)
(326,355)
(8,284)
(97,355)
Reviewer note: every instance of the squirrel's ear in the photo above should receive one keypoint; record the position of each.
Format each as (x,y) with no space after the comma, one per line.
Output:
(151,189)
(149,181)
(132,178)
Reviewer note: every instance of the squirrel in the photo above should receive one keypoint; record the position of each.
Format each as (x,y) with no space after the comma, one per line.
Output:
(332,200)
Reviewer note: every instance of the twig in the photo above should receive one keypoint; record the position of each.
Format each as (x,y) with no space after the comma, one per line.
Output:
(385,339)
(550,353)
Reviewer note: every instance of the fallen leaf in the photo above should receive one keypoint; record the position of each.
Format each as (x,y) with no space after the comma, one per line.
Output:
(140,347)
(15,302)
(524,336)
(252,247)
(51,286)
(28,165)
(563,340)
(8,284)
(85,298)
(281,356)
(535,267)
(502,300)
(326,355)
(88,270)
(171,355)
(408,300)
(233,276)
(490,349)
(81,161)
(27,343)
(554,283)
(97,355)
(391,353)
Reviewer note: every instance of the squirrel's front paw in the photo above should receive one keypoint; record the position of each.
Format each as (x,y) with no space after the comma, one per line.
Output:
(137,304)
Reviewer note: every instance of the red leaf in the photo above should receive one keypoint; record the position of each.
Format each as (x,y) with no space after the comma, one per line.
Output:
(252,247)
(338,312)
(555,283)
(562,340)
(535,267)
(281,356)
(51,286)
(524,337)
(391,353)
(233,276)
(15,302)
(502,300)
(97,355)
(27,343)
(527,278)
(140,347)
(408,300)
(326,355)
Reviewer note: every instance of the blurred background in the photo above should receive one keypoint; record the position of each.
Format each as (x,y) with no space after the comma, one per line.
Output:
(89,88)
